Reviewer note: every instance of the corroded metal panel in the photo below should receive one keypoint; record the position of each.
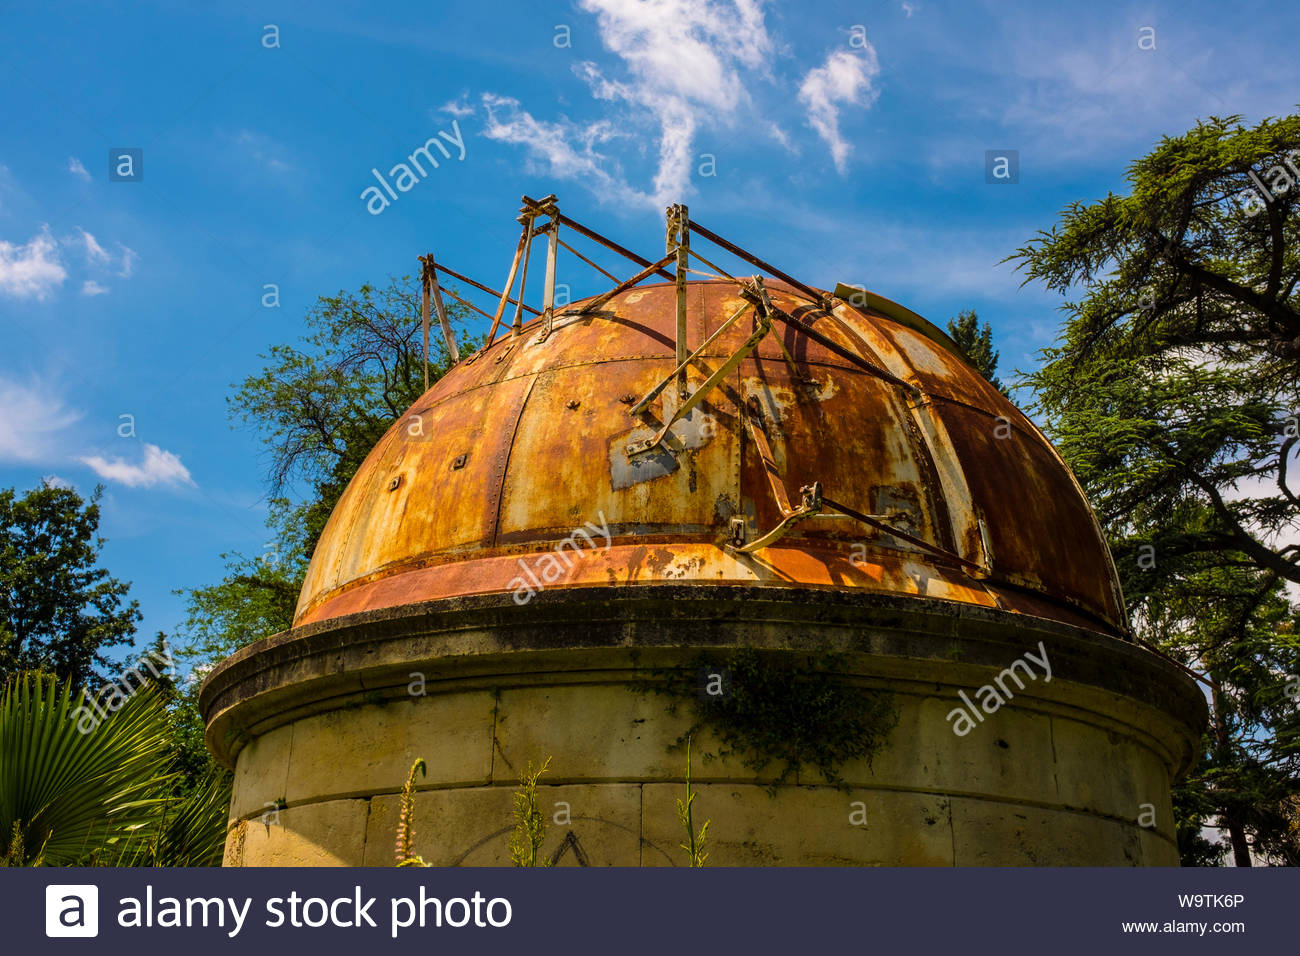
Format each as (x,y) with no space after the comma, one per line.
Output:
(535,437)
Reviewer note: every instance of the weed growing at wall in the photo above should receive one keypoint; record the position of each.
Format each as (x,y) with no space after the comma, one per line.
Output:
(777,708)
(530,822)
(405,820)
(695,842)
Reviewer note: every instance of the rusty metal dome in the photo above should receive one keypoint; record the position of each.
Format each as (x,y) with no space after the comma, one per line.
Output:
(813,441)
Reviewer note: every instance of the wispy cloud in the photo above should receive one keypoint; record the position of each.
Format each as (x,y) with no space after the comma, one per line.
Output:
(126,264)
(685,65)
(94,251)
(684,61)
(682,67)
(33,423)
(121,263)
(264,151)
(457,107)
(31,270)
(158,467)
(845,79)
(37,428)
(78,170)
(567,149)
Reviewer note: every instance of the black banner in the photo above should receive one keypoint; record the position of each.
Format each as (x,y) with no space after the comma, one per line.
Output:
(489,911)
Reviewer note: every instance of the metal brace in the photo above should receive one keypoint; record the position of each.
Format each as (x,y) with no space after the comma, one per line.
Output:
(550,208)
(756,294)
(814,503)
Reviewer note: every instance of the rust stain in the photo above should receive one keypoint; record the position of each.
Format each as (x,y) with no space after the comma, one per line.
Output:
(528,443)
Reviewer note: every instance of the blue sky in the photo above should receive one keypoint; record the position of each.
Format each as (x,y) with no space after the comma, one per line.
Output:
(841,141)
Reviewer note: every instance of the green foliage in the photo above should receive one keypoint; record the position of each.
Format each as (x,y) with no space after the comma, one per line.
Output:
(58,609)
(319,405)
(977,342)
(695,842)
(67,794)
(322,404)
(188,830)
(1172,394)
(1178,372)
(255,600)
(530,823)
(787,709)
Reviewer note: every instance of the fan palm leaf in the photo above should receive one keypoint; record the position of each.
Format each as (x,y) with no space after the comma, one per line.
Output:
(73,783)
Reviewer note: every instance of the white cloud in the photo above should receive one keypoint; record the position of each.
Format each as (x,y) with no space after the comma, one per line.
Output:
(684,61)
(844,79)
(122,263)
(458,108)
(157,467)
(32,421)
(568,149)
(129,258)
(78,170)
(31,270)
(781,136)
(94,251)
(91,287)
(908,9)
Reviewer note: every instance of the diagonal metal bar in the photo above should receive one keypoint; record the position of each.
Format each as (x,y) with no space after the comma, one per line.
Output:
(517,325)
(440,307)
(756,294)
(608,243)
(716,268)
(468,304)
(847,354)
(626,284)
(608,275)
(510,281)
(481,287)
(735,250)
(650,396)
(872,521)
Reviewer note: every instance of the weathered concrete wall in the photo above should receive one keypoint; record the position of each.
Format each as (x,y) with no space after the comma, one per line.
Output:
(323,726)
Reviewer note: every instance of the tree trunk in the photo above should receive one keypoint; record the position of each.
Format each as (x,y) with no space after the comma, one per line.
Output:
(1236,832)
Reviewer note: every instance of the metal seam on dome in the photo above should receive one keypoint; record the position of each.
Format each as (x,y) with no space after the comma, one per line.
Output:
(509,448)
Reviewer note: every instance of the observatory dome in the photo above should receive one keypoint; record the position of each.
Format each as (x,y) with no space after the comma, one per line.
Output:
(598,535)
(903,471)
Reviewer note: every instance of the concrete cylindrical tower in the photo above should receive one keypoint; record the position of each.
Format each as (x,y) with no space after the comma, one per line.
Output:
(511,571)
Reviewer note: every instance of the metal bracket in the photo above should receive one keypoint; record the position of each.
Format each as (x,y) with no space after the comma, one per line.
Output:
(756,295)
(815,504)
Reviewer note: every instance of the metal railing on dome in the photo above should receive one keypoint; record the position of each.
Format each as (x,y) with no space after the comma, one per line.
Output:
(813,503)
